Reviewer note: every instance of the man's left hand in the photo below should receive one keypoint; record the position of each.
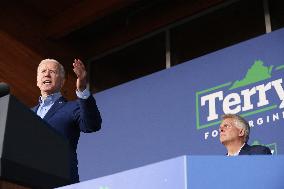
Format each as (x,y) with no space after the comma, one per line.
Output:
(81,74)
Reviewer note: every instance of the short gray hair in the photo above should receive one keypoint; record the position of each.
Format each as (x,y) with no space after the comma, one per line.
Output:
(240,122)
(61,68)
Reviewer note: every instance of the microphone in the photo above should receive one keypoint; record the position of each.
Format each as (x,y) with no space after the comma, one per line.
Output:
(4,89)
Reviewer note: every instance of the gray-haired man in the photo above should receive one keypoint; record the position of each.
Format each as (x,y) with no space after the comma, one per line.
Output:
(234,135)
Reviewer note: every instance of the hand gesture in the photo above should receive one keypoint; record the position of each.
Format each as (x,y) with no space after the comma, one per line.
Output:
(81,74)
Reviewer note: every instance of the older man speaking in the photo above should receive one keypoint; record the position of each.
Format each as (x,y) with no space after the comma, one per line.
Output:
(68,118)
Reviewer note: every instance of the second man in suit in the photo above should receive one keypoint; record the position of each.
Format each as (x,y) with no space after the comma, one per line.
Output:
(234,135)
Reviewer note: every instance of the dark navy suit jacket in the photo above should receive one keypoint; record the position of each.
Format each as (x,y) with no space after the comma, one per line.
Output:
(254,150)
(69,118)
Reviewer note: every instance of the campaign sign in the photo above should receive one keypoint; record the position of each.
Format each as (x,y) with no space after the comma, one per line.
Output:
(178,111)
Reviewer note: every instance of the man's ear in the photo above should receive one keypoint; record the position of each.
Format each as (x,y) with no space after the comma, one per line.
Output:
(242,132)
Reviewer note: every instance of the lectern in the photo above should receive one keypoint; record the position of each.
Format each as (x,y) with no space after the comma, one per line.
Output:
(33,154)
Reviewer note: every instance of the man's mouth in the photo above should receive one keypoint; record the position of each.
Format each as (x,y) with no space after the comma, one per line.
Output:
(47,82)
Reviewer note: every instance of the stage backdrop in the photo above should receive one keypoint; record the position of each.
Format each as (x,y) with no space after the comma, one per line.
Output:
(177,111)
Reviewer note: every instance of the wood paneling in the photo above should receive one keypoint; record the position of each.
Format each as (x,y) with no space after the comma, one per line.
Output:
(51,8)
(9,185)
(82,14)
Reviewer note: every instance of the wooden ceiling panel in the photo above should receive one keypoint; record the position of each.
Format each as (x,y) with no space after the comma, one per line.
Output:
(50,8)
(81,14)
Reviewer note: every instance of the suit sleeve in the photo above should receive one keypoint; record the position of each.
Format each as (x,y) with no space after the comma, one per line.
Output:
(267,151)
(260,150)
(87,115)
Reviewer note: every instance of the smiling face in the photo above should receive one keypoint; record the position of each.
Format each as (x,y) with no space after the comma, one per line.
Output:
(229,132)
(49,79)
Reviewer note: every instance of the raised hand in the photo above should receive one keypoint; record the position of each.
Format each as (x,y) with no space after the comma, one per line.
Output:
(81,74)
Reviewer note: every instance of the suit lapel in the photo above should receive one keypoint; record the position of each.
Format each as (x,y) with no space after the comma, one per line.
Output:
(56,106)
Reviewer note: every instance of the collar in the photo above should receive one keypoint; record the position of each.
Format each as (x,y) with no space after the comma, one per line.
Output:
(237,153)
(50,98)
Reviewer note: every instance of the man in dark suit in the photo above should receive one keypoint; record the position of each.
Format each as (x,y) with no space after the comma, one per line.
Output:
(234,135)
(68,118)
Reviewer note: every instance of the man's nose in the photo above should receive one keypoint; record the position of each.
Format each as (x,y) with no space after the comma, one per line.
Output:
(47,73)
(221,129)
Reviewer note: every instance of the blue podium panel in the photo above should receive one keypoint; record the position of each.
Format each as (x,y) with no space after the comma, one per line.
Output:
(245,172)
(197,172)
(168,174)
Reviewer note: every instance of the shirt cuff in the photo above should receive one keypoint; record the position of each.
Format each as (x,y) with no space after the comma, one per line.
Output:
(84,94)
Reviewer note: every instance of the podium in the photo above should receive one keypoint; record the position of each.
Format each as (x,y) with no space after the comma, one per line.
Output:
(197,172)
(33,155)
